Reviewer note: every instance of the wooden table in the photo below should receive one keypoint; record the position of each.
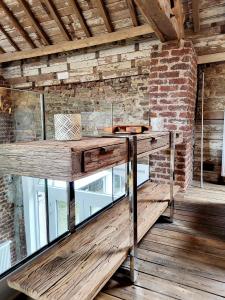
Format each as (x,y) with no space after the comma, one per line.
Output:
(75,159)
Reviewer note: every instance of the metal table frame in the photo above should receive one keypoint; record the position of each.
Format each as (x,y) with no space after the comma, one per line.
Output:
(131,189)
(132,192)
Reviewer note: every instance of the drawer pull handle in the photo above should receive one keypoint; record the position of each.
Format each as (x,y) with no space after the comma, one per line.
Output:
(104,150)
(153,140)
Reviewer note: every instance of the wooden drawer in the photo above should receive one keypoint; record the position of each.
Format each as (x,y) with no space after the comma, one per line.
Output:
(151,143)
(107,156)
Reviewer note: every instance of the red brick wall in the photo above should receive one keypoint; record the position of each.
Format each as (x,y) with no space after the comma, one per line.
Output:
(173,77)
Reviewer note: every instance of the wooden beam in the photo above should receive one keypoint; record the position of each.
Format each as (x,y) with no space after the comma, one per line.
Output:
(211,58)
(178,18)
(16,24)
(195,15)
(79,15)
(79,44)
(34,22)
(159,17)
(104,14)
(11,41)
(55,15)
(133,15)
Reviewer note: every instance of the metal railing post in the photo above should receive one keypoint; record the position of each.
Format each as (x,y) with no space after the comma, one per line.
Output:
(43,134)
(133,206)
(172,174)
(71,206)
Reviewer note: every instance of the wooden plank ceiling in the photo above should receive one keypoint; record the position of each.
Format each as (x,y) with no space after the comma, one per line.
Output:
(30,28)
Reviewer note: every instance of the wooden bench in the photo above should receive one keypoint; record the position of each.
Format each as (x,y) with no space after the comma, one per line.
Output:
(78,267)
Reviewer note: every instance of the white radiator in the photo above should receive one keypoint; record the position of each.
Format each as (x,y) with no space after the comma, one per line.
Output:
(5,256)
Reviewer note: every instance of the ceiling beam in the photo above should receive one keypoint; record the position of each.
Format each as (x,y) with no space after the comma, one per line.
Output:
(79,15)
(56,17)
(34,22)
(133,14)
(178,18)
(16,24)
(10,40)
(104,14)
(160,17)
(79,44)
(195,15)
(211,58)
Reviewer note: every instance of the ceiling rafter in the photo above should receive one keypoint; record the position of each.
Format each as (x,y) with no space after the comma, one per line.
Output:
(178,18)
(55,15)
(78,44)
(133,14)
(104,14)
(34,22)
(144,8)
(11,41)
(195,15)
(16,24)
(77,11)
(160,16)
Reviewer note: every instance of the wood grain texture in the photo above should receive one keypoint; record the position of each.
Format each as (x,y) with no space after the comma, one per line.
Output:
(10,40)
(133,14)
(34,22)
(195,15)
(79,44)
(157,13)
(70,160)
(102,10)
(78,267)
(76,8)
(181,260)
(16,24)
(59,160)
(57,18)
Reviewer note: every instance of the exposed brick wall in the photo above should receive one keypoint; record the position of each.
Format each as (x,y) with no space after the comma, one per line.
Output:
(173,71)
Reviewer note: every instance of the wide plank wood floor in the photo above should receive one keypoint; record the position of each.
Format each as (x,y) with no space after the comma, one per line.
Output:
(184,260)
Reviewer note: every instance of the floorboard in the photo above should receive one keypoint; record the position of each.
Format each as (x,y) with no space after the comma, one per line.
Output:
(183,260)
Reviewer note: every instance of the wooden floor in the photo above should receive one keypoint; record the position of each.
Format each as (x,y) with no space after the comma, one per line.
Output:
(183,260)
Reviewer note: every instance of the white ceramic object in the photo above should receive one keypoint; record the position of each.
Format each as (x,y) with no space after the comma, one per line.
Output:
(67,127)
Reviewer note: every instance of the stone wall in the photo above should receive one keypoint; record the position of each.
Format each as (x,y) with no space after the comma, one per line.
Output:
(117,101)
(214,104)
(100,63)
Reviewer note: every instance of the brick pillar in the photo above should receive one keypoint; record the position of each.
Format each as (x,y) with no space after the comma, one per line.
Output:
(173,78)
